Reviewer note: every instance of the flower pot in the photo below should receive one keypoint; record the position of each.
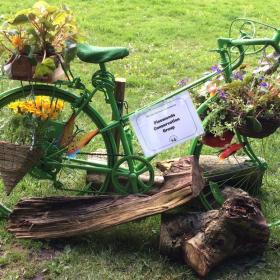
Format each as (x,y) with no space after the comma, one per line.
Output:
(269,126)
(213,141)
(20,68)
(15,161)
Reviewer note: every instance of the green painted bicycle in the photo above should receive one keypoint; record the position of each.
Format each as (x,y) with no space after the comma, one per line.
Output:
(81,129)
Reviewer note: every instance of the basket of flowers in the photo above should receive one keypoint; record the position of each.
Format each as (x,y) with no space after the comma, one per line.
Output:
(33,120)
(248,104)
(39,43)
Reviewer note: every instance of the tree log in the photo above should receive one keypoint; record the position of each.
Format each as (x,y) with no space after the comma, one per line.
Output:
(205,239)
(54,217)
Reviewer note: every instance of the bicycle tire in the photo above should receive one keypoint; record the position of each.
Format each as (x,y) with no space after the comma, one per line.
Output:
(105,140)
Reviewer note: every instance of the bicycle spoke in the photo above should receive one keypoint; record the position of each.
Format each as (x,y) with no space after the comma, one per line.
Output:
(122,173)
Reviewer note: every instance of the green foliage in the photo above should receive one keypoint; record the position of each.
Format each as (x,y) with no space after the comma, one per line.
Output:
(18,129)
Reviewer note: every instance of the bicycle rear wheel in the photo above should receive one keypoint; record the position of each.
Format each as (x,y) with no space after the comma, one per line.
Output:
(66,180)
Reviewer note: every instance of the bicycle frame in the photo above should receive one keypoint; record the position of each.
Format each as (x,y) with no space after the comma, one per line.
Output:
(107,86)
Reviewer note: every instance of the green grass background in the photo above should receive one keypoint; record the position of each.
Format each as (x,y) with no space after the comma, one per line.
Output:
(168,41)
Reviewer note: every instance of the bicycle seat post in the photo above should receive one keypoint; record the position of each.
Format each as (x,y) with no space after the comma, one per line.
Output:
(108,85)
(102,67)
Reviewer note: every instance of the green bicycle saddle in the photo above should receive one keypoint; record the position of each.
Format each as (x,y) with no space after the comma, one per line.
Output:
(92,54)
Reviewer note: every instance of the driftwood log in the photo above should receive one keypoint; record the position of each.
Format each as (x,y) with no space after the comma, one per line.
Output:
(54,217)
(203,240)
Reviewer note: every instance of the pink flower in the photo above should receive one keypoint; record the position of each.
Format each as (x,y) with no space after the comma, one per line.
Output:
(212,88)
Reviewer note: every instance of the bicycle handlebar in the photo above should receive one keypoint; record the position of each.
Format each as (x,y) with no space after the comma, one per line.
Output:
(225,43)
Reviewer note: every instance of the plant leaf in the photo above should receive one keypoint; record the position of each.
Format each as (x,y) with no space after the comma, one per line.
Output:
(20,17)
(51,9)
(49,62)
(41,70)
(46,67)
(42,6)
(254,123)
(60,18)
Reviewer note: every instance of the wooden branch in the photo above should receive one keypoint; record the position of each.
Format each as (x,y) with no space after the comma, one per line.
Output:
(67,216)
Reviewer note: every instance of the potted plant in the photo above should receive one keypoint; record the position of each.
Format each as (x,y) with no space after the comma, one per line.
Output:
(35,121)
(39,41)
(249,104)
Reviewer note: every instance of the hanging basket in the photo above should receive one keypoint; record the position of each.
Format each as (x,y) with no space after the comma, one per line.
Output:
(15,161)
(269,126)
(19,67)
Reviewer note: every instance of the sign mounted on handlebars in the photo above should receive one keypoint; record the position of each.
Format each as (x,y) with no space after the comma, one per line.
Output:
(166,124)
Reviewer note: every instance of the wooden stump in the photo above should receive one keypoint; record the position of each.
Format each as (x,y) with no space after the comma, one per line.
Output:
(203,240)
(54,217)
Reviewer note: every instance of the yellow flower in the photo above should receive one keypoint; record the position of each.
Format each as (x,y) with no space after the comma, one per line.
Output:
(60,104)
(42,107)
(17,42)
(14,106)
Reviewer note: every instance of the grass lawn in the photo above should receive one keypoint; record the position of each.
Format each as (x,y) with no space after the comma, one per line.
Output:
(168,41)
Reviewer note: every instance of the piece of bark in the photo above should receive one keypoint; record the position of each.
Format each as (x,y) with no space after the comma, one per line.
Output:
(55,217)
(205,239)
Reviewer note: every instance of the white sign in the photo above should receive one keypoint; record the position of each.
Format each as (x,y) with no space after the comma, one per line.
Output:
(166,124)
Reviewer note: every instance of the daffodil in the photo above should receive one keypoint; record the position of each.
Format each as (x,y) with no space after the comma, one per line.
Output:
(41,107)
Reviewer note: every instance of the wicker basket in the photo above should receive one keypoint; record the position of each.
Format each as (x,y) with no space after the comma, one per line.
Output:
(269,126)
(20,68)
(15,162)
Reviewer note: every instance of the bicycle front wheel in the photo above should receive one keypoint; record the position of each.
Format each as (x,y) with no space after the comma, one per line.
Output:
(20,110)
(228,160)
